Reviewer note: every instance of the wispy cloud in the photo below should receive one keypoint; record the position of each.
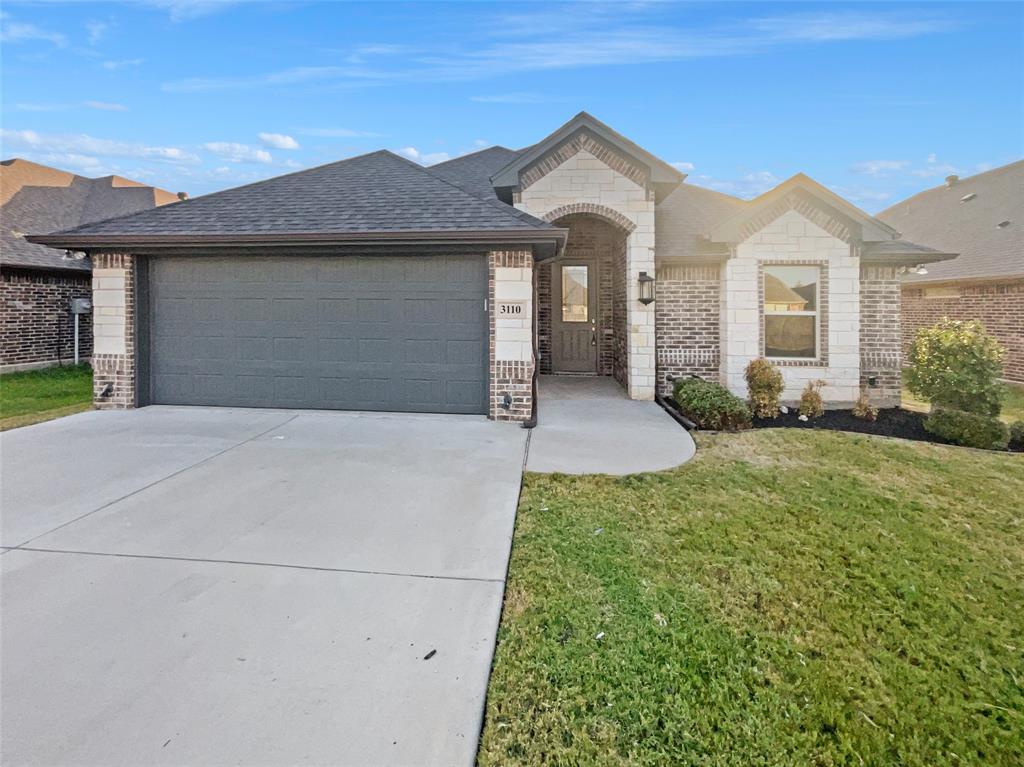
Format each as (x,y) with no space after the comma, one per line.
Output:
(512,98)
(233,152)
(96,30)
(106,106)
(932,167)
(278,141)
(685,167)
(746,186)
(186,10)
(424,158)
(12,31)
(121,64)
(85,145)
(631,35)
(879,168)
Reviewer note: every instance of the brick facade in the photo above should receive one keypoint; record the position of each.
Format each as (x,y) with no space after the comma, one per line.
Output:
(510,277)
(880,356)
(36,325)
(998,305)
(113,361)
(687,321)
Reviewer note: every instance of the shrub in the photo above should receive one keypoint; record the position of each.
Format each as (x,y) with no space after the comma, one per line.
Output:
(954,365)
(863,409)
(710,405)
(811,403)
(764,382)
(1017,435)
(968,429)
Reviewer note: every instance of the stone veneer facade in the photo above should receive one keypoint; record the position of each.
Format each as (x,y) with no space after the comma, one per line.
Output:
(997,304)
(585,175)
(113,302)
(36,325)
(512,358)
(792,238)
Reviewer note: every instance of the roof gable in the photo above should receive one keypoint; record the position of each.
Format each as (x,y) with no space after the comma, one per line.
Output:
(585,132)
(378,192)
(812,200)
(472,172)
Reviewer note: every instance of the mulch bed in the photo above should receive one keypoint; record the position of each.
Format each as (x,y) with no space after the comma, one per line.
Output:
(891,422)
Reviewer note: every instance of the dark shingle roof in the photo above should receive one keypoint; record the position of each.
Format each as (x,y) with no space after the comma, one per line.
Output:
(373,193)
(472,172)
(36,198)
(685,217)
(943,219)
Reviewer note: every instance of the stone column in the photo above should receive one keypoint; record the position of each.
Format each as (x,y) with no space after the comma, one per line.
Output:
(640,318)
(113,354)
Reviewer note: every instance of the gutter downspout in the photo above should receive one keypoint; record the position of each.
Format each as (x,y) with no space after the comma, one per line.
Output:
(531,422)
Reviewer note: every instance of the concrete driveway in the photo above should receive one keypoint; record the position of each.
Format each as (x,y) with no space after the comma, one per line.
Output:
(215,586)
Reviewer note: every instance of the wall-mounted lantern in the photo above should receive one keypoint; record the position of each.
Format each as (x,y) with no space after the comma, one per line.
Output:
(646,288)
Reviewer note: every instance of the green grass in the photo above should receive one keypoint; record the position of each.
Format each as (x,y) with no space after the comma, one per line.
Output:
(39,395)
(787,598)
(1013,405)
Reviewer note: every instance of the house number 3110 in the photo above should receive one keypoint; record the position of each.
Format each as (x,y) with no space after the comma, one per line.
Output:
(511,309)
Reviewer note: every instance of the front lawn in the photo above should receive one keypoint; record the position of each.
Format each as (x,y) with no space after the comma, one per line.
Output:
(787,598)
(39,395)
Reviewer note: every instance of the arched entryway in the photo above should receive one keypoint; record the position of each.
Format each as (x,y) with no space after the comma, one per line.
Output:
(581,300)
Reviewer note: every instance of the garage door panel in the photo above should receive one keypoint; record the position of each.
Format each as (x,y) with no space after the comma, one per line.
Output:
(375,333)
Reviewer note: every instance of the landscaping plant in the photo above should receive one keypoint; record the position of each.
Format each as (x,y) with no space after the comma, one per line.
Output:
(863,409)
(710,405)
(1017,435)
(764,384)
(811,403)
(955,365)
(968,429)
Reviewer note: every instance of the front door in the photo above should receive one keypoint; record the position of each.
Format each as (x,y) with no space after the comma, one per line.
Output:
(574,320)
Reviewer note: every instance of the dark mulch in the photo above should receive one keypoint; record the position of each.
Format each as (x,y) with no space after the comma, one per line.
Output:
(891,422)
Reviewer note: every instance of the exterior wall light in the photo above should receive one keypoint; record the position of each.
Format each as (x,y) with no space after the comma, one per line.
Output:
(646,284)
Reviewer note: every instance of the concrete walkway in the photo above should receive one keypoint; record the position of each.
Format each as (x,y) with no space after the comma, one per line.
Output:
(224,586)
(587,425)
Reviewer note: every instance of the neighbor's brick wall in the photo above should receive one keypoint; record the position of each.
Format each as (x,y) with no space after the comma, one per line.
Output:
(999,306)
(36,325)
(510,277)
(687,322)
(113,361)
(880,354)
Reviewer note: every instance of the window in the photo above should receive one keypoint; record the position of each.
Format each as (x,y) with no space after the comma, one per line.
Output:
(791,311)
(575,294)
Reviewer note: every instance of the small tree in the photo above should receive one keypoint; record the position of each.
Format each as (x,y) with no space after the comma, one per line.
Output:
(811,403)
(955,365)
(764,383)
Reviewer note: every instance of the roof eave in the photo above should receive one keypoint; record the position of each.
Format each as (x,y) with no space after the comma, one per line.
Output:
(89,242)
(910,258)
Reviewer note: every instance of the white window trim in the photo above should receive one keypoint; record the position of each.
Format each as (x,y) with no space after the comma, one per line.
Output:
(816,314)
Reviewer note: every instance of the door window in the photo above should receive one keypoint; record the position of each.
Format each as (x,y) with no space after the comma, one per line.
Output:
(575,294)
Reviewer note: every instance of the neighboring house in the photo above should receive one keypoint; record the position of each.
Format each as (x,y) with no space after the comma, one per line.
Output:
(982,219)
(37,283)
(376,284)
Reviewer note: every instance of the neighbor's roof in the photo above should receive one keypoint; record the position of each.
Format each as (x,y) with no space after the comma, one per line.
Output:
(376,196)
(979,217)
(36,198)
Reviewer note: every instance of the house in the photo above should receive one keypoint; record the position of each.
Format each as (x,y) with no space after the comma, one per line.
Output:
(980,218)
(38,283)
(376,284)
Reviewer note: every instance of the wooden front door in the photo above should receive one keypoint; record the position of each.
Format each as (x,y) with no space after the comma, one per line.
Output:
(574,317)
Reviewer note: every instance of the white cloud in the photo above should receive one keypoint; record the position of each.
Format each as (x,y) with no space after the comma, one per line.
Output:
(685,167)
(334,133)
(278,141)
(233,152)
(879,168)
(481,143)
(106,106)
(18,32)
(429,158)
(35,107)
(186,10)
(96,30)
(82,144)
(122,64)
(512,98)
(747,186)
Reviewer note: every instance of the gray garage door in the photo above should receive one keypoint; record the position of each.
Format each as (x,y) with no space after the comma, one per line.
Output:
(402,333)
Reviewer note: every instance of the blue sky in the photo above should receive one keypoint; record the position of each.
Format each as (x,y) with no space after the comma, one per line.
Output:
(877,101)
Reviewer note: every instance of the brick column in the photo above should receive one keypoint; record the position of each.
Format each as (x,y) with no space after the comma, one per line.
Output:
(511,339)
(880,353)
(113,358)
